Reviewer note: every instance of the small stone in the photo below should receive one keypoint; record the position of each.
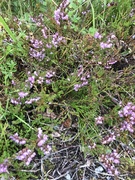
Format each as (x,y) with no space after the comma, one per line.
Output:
(99,169)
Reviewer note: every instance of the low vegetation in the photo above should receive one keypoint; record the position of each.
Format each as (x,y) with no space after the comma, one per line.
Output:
(67,93)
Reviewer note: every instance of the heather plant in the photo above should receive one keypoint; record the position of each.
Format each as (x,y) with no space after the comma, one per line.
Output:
(65,72)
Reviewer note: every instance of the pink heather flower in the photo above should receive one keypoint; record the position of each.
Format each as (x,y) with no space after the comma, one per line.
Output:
(42,138)
(13,82)
(48,81)
(14,101)
(77,86)
(84,83)
(102,45)
(36,43)
(46,149)
(88,75)
(3,167)
(83,78)
(18,139)
(39,55)
(109,161)
(49,46)
(64,4)
(109,45)
(130,128)
(59,13)
(50,74)
(25,155)
(109,138)
(35,73)
(40,80)
(111,61)
(97,36)
(31,79)
(23,94)
(41,142)
(57,39)
(128,112)
(84,12)
(120,113)
(105,45)
(30,158)
(44,32)
(40,132)
(30,101)
(36,99)
(65,17)
(99,120)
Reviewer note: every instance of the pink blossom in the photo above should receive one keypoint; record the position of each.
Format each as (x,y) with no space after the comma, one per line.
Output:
(22,94)
(99,120)
(97,36)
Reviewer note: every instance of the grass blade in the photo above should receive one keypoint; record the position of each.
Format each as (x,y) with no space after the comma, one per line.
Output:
(6,27)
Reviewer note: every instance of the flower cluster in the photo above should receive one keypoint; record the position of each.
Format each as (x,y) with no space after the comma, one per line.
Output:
(128,113)
(35,78)
(18,139)
(4,166)
(109,43)
(41,142)
(26,155)
(110,137)
(57,39)
(105,45)
(110,161)
(97,35)
(40,80)
(36,51)
(44,32)
(36,43)
(30,101)
(99,120)
(31,79)
(23,94)
(110,62)
(38,20)
(37,47)
(111,39)
(39,55)
(84,76)
(59,14)
(49,75)
(15,101)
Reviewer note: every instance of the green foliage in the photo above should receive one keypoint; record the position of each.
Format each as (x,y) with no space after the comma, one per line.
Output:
(20,72)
